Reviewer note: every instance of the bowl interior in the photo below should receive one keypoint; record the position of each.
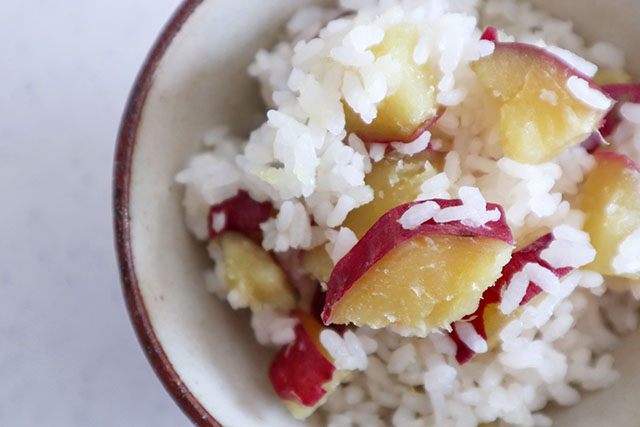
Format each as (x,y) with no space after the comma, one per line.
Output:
(201,82)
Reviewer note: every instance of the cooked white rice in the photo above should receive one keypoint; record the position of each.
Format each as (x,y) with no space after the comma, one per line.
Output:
(590,97)
(298,161)
(273,328)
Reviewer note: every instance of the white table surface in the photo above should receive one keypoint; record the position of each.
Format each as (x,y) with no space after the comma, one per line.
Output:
(68,354)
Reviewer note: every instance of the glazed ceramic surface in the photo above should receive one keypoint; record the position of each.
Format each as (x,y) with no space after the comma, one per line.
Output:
(195,80)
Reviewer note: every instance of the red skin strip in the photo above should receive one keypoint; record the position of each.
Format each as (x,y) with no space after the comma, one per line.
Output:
(417,134)
(317,306)
(494,294)
(624,92)
(491,34)
(387,233)
(629,92)
(242,214)
(299,371)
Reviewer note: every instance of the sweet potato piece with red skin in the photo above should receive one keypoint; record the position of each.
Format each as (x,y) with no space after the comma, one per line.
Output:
(387,234)
(539,115)
(493,295)
(404,115)
(242,214)
(302,373)
(300,370)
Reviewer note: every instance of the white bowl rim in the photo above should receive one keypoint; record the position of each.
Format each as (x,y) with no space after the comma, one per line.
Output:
(125,145)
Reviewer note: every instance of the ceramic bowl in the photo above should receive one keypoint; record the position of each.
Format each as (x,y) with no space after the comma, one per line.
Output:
(195,79)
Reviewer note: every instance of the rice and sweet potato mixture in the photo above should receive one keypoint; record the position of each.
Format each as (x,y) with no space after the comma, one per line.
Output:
(439,221)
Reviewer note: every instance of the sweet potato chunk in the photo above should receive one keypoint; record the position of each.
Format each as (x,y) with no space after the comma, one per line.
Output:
(612,206)
(420,278)
(539,115)
(422,284)
(403,115)
(256,278)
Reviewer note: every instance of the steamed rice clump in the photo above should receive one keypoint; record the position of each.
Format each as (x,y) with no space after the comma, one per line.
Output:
(305,163)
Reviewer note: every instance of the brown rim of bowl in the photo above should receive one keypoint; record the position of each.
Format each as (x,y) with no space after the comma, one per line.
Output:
(121,180)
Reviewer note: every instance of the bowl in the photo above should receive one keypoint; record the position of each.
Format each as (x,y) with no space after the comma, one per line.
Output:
(195,79)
